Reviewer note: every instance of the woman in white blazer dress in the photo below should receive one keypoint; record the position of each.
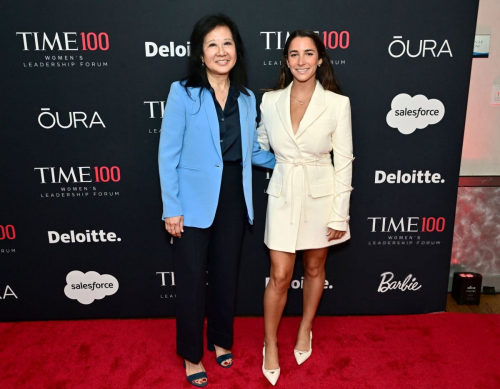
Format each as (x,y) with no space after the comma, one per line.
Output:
(303,120)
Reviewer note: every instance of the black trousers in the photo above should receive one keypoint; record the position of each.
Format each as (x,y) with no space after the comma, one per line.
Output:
(215,249)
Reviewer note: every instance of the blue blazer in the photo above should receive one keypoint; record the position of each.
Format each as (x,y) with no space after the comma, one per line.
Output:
(190,158)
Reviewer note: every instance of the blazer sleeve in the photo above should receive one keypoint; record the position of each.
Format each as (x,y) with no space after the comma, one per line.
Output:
(262,136)
(169,152)
(342,159)
(261,156)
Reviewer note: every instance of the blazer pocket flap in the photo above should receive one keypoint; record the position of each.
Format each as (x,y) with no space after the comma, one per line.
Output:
(188,168)
(322,190)
(274,188)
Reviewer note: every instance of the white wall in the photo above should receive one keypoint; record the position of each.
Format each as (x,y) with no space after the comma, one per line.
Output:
(481,150)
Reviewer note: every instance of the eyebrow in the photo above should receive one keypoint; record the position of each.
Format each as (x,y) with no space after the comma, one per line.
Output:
(306,50)
(226,39)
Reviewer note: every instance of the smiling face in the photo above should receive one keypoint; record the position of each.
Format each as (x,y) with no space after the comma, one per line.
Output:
(219,51)
(303,59)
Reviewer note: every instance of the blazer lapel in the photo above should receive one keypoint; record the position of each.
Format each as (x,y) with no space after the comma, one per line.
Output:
(283,107)
(314,110)
(213,121)
(242,106)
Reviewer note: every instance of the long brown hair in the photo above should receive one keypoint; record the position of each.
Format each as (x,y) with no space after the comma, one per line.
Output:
(324,73)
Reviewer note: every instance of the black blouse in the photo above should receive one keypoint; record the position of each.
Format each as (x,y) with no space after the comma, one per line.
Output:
(229,125)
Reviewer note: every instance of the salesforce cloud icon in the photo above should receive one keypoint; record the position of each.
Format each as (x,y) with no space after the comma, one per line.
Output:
(89,286)
(409,113)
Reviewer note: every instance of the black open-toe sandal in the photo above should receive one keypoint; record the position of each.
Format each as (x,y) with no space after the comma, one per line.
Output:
(221,359)
(202,375)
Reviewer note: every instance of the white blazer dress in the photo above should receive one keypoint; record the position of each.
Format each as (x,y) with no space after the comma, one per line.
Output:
(306,192)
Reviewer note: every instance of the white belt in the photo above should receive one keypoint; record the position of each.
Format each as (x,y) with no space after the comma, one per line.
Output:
(305,182)
(314,162)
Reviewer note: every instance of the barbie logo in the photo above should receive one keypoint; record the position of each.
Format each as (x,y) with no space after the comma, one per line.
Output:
(387,283)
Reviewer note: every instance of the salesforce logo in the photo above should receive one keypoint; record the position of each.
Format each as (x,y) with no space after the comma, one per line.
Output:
(85,288)
(408,113)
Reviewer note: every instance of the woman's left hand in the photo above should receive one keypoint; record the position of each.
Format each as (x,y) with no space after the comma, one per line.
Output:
(334,234)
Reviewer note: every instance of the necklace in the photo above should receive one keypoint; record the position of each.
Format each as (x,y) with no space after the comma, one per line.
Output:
(223,89)
(301,102)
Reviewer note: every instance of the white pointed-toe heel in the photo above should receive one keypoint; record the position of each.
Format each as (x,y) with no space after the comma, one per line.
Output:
(301,356)
(272,375)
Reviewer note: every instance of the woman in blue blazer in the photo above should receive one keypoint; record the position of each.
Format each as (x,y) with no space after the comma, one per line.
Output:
(208,144)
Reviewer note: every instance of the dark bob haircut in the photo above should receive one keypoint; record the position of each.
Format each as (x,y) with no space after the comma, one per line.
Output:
(324,74)
(197,74)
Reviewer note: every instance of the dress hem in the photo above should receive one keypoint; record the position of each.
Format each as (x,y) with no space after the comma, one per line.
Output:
(334,242)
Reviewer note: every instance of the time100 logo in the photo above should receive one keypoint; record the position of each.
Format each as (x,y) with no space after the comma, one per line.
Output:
(333,39)
(7,232)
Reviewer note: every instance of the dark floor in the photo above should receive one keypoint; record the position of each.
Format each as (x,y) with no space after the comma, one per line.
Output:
(489,304)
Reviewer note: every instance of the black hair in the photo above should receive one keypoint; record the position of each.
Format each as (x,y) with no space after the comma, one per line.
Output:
(197,74)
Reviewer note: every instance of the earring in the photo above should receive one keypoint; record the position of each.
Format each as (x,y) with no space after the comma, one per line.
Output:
(202,63)
(319,65)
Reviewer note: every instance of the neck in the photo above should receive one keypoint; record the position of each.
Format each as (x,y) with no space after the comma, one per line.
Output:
(304,89)
(218,81)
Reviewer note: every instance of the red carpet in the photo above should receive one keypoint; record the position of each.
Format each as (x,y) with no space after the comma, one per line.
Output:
(442,350)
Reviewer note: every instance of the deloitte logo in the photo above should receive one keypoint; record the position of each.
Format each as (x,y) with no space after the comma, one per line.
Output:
(415,177)
(83,237)
(152,50)
(85,288)
(299,284)
(410,113)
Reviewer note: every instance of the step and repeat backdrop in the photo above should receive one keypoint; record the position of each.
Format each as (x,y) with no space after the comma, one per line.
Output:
(84,89)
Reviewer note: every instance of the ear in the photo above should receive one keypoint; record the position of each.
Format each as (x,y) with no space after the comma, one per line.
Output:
(320,62)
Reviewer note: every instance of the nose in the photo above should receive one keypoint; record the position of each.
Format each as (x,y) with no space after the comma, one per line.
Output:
(222,50)
(301,60)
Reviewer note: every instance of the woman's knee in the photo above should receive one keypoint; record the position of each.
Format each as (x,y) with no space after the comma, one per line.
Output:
(314,271)
(280,280)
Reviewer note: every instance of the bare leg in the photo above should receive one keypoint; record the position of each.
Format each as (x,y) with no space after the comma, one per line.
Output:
(223,351)
(192,368)
(314,283)
(274,302)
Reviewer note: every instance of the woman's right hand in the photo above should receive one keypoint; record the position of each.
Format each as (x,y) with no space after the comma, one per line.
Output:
(174,225)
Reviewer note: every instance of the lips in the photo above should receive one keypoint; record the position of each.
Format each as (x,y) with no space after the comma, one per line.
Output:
(222,62)
(301,71)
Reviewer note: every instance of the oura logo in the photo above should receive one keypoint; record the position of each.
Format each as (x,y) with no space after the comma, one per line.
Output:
(398,48)
(331,39)
(80,174)
(64,41)
(85,288)
(409,113)
(48,120)
(387,283)
(8,292)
